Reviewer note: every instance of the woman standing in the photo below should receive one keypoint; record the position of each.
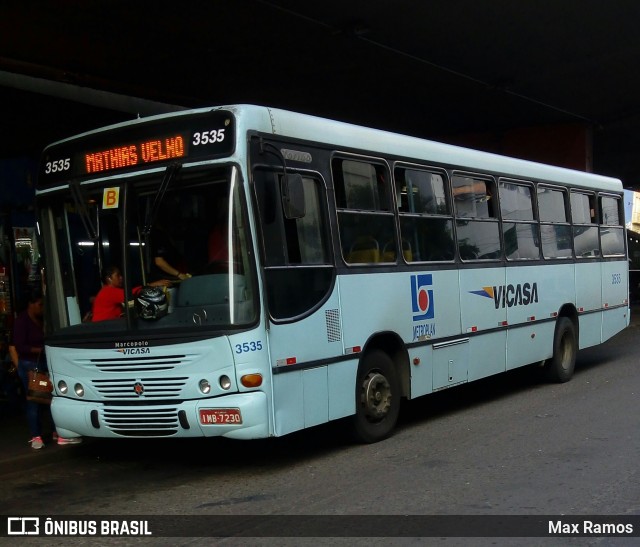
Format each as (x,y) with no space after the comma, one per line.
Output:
(28,339)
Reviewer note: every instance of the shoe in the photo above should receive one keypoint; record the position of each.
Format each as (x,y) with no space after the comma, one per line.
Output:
(54,436)
(36,443)
(70,440)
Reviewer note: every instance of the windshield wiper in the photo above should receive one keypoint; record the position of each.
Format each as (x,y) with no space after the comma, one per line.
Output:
(80,201)
(150,217)
(151,214)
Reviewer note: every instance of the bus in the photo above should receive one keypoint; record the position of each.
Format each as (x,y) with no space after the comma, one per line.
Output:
(352,268)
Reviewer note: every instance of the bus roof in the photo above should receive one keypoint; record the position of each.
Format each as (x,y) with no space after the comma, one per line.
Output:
(376,141)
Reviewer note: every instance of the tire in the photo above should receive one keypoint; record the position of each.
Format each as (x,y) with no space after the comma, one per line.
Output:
(565,348)
(377,398)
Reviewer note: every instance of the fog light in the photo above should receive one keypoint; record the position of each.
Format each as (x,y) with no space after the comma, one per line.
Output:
(63,387)
(205,386)
(225,382)
(251,380)
(79,390)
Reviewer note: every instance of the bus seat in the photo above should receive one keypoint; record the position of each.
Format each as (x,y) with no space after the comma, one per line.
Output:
(365,249)
(389,251)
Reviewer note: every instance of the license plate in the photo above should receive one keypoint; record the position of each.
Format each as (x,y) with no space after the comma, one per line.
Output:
(220,416)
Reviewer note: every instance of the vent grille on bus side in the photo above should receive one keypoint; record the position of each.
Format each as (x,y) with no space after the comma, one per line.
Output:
(333,325)
(138,364)
(142,422)
(147,388)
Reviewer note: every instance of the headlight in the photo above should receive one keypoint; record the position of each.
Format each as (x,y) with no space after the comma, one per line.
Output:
(225,382)
(79,390)
(63,387)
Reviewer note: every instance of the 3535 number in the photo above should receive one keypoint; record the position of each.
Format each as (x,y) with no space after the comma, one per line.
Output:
(247,347)
(57,166)
(202,138)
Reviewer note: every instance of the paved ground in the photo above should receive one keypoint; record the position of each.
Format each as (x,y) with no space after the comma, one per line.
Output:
(16,453)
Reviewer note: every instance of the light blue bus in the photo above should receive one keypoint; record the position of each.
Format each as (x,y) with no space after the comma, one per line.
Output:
(326,271)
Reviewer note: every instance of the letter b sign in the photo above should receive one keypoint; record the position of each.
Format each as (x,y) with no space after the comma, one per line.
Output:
(111,198)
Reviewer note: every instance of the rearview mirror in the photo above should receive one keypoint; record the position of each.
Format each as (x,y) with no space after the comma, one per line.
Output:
(293,196)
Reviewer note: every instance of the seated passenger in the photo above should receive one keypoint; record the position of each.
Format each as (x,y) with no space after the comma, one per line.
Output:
(109,302)
(166,258)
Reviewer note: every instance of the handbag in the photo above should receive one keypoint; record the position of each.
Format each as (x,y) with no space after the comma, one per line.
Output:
(40,387)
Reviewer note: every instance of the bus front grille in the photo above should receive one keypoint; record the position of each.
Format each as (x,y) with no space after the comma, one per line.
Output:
(137,422)
(138,389)
(138,364)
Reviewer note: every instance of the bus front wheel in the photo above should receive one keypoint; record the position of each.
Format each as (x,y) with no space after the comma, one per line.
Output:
(377,398)
(565,348)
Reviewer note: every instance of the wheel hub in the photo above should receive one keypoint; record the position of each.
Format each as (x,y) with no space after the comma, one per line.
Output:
(376,396)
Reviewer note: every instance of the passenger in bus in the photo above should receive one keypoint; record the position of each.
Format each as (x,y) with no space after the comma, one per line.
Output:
(109,302)
(166,259)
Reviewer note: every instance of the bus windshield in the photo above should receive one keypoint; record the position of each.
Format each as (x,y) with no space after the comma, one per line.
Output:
(172,246)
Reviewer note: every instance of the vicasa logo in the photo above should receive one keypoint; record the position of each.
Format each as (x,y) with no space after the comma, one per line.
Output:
(134,351)
(507,296)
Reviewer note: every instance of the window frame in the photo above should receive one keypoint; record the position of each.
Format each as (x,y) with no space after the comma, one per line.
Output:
(447,216)
(376,251)
(604,228)
(493,210)
(534,221)
(276,314)
(564,191)
(586,226)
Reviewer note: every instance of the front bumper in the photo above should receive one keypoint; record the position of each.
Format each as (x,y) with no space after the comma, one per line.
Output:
(90,419)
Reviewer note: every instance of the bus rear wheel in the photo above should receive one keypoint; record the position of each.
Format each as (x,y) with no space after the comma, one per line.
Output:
(377,398)
(565,348)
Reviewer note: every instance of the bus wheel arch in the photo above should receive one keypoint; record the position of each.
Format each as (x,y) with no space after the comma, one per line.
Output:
(561,366)
(569,311)
(391,344)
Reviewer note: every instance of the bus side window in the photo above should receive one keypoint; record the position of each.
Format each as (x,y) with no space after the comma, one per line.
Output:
(426,223)
(363,200)
(611,229)
(473,197)
(519,229)
(555,230)
(296,250)
(477,227)
(585,232)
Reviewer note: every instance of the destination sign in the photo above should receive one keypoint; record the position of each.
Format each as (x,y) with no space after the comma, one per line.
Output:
(139,145)
(135,154)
